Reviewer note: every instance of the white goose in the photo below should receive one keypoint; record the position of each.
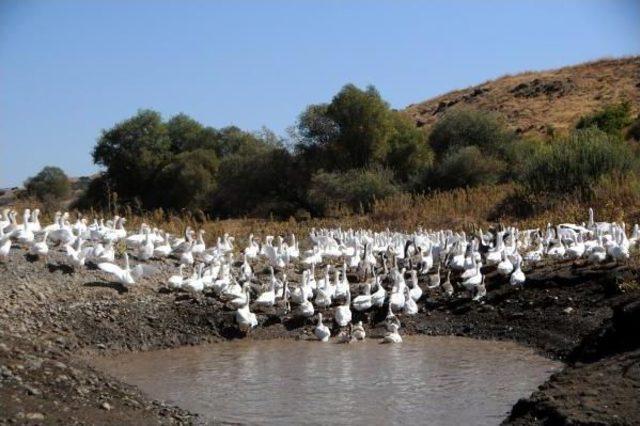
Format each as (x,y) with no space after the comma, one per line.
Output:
(176,281)
(244,317)
(415,292)
(342,314)
(363,301)
(392,336)
(358,331)
(40,248)
(128,275)
(321,331)
(517,277)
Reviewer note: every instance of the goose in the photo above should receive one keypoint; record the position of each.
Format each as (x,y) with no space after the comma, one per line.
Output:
(267,298)
(199,246)
(415,292)
(244,317)
(342,286)
(363,301)
(323,292)
(128,275)
(245,270)
(472,282)
(241,299)
(25,235)
(303,292)
(481,291)
(77,255)
(517,277)
(358,331)
(378,298)
(577,249)
(598,253)
(447,287)
(397,298)
(176,281)
(163,249)
(556,249)
(40,248)
(391,319)
(251,251)
(392,336)
(536,254)
(305,309)
(145,248)
(313,258)
(434,279)
(232,290)
(104,253)
(342,314)
(186,257)
(5,246)
(426,260)
(410,307)
(34,221)
(321,331)
(505,267)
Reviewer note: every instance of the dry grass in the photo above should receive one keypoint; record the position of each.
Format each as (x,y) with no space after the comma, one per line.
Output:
(614,198)
(585,88)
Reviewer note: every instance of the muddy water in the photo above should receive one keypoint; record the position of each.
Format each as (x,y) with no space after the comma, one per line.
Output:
(425,380)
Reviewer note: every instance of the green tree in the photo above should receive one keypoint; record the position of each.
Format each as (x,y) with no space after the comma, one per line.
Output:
(50,184)
(409,154)
(186,134)
(466,167)
(189,180)
(355,189)
(133,152)
(463,127)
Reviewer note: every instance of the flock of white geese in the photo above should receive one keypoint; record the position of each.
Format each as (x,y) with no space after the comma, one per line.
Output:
(392,265)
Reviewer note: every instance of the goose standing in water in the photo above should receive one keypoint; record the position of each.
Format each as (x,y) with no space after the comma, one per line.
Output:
(321,331)
(392,336)
(358,331)
(391,319)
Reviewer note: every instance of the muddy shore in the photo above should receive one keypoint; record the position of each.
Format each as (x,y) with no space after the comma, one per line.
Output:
(53,318)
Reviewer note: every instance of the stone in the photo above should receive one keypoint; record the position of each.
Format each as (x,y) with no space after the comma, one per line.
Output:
(106,406)
(568,310)
(35,416)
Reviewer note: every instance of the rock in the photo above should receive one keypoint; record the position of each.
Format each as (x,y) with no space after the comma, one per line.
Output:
(568,310)
(35,416)
(106,406)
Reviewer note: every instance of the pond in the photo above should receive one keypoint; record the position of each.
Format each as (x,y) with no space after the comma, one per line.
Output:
(424,380)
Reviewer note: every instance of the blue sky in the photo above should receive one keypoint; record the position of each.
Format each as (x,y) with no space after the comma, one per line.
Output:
(71,68)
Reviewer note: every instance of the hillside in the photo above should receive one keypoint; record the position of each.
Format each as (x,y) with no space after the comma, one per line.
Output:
(531,101)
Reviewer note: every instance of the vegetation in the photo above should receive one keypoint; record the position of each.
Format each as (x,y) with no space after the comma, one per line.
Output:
(50,185)
(611,119)
(357,156)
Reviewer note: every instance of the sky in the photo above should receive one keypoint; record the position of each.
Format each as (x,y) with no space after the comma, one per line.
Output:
(69,69)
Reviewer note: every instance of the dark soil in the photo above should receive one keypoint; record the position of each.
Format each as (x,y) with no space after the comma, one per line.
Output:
(53,319)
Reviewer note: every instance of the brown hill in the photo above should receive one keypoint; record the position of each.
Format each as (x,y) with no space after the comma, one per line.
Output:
(531,102)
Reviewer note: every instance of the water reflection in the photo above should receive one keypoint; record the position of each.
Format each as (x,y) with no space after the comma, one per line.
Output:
(425,380)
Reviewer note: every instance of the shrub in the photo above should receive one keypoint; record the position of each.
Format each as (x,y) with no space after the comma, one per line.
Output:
(634,130)
(611,119)
(577,162)
(466,167)
(50,185)
(354,190)
(462,127)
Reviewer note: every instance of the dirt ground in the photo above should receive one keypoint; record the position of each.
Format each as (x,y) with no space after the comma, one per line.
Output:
(53,318)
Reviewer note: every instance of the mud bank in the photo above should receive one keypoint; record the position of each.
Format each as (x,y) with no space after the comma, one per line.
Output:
(52,318)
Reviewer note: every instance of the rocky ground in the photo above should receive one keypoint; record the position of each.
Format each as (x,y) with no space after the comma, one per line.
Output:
(53,318)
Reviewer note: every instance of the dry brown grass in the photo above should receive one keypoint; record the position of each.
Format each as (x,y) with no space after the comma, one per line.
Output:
(586,88)
(614,198)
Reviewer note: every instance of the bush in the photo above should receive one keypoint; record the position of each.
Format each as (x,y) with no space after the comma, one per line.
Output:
(50,185)
(575,163)
(634,130)
(354,190)
(611,119)
(463,127)
(466,167)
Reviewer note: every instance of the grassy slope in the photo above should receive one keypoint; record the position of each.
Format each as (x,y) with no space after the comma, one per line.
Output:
(532,100)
